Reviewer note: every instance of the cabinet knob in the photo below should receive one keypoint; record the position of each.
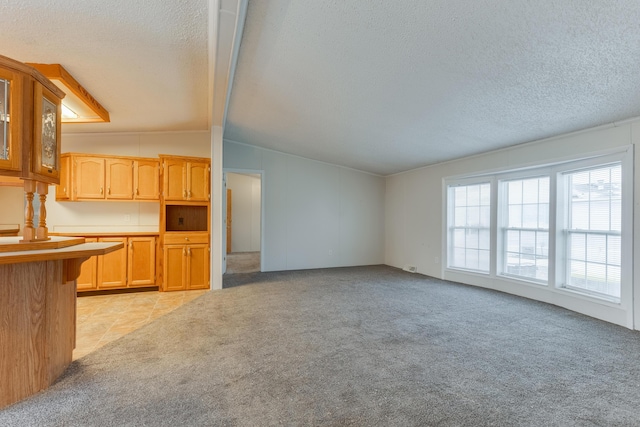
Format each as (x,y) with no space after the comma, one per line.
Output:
(186,238)
(184,194)
(188,251)
(108,190)
(101,190)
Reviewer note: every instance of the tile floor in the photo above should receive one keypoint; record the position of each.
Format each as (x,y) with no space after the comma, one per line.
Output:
(105,318)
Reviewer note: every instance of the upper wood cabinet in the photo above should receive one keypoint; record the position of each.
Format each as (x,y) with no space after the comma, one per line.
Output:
(185,178)
(146,179)
(97,177)
(30,114)
(63,190)
(88,178)
(119,179)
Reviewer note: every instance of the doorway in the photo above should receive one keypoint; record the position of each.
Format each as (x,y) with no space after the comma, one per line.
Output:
(243,224)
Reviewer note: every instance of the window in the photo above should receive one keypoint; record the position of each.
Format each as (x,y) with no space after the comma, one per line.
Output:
(525,232)
(563,228)
(469,227)
(593,230)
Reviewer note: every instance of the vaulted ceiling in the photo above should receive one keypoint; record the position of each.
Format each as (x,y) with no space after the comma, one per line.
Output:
(374,85)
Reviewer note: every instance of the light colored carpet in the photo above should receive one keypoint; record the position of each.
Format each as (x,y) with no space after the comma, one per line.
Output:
(243,262)
(366,346)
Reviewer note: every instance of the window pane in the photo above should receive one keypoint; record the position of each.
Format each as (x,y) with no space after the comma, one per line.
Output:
(515,216)
(580,215)
(473,195)
(485,194)
(472,239)
(485,216)
(470,215)
(597,248)
(578,246)
(458,238)
(613,250)
(460,218)
(485,239)
(513,241)
(473,216)
(460,196)
(530,216)
(530,191)
(543,215)
(515,192)
(471,261)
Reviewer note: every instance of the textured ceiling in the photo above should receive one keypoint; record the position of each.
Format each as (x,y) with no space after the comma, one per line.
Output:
(145,61)
(386,86)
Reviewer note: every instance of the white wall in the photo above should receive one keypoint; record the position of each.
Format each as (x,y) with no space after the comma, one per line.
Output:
(316,215)
(120,216)
(246,210)
(12,206)
(414,213)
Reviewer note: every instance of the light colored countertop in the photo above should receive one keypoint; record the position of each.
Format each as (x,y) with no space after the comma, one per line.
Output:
(48,253)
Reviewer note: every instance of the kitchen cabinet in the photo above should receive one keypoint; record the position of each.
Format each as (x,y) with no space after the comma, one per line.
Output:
(186,261)
(30,117)
(119,179)
(141,261)
(63,190)
(146,179)
(185,178)
(112,268)
(133,266)
(90,177)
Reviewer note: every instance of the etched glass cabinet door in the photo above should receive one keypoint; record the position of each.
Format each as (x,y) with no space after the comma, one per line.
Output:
(46,133)
(10,147)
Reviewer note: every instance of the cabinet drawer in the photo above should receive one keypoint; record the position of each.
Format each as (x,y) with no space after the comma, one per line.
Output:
(185,238)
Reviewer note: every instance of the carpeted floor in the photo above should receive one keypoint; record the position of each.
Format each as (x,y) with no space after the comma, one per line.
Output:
(352,347)
(243,262)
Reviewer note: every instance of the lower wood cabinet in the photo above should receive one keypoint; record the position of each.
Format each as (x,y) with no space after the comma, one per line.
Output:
(186,261)
(129,267)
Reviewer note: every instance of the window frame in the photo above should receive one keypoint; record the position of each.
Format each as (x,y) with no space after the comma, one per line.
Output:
(502,207)
(626,226)
(557,254)
(450,213)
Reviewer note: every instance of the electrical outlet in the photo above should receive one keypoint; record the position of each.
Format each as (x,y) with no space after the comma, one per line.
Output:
(127,218)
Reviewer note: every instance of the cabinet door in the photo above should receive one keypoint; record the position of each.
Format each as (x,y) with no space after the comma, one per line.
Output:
(141,261)
(119,179)
(11,120)
(87,281)
(112,267)
(174,271)
(174,183)
(198,267)
(89,178)
(198,181)
(63,189)
(146,180)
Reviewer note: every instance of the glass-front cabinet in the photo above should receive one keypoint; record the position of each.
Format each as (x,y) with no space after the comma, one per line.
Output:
(10,148)
(30,113)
